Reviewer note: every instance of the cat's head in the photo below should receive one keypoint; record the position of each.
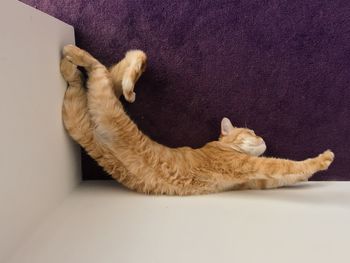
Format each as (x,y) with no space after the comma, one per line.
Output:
(241,139)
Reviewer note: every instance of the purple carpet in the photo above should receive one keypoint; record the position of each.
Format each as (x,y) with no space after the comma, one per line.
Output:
(281,68)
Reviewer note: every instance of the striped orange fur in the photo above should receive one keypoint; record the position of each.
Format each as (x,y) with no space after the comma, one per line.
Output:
(98,122)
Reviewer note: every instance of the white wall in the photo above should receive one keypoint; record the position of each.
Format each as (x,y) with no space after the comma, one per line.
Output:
(39,165)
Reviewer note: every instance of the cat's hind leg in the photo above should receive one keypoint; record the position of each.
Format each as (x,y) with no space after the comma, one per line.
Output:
(79,57)
(104,107)
(75,113)
(82,128)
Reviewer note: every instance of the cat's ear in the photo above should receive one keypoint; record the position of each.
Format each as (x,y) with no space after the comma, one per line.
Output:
(226,126)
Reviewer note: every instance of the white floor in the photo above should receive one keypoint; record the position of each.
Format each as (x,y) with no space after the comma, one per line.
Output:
(103,222)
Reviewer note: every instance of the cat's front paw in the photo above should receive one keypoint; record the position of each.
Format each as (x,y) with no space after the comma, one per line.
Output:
(325,159)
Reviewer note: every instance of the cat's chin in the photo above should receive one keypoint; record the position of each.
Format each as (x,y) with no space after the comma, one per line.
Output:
(255,150)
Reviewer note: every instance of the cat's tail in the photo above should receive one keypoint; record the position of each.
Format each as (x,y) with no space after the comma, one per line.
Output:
(126,73)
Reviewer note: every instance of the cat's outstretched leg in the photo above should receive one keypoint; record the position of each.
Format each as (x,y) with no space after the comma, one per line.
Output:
(280,173)
(104,108)
(77,121)
(126,73)
(75,113)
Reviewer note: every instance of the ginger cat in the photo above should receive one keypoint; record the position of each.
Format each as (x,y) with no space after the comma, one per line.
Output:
(98,122)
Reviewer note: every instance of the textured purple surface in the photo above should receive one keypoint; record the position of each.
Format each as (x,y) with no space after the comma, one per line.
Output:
(281,68)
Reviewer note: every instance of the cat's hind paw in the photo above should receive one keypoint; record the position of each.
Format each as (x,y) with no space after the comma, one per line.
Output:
(70,51)
(78,56)
(68,70)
